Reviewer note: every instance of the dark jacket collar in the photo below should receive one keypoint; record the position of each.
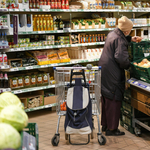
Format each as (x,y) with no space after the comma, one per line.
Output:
(120,33)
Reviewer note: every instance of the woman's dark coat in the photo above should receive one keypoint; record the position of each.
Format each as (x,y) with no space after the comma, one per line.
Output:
(114,60)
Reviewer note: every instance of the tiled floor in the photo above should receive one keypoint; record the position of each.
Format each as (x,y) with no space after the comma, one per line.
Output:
(47,122)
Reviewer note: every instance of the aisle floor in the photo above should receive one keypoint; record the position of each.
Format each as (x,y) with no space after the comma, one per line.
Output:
(47,122)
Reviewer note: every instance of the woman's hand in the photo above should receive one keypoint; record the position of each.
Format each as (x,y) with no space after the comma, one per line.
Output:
(136,39)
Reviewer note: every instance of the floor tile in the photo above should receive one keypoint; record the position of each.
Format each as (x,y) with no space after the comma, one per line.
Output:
(47,124)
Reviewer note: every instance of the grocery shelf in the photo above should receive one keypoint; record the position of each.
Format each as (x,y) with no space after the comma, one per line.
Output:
(78,10)
(5,67)
(52,65)
(143,25)
(63,31)
(40,107)
(140,84)
(32,89)
(3,27)
(54,46)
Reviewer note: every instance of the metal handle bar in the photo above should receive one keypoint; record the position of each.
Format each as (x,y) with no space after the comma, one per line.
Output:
(76,68)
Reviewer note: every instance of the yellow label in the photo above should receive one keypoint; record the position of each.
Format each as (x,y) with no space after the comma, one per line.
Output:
(41,23)
(37,23)
(44,24)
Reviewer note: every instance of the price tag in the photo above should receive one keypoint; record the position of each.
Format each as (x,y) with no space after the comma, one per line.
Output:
(16,9)
(146,54)
(47,106)
(59,46)
(26,9)
(21,49)
(44,66)
(12,49)
(29,67)
(18,91)
(14,69)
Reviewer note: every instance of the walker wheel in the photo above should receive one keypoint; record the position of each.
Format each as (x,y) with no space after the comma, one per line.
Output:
(55,140)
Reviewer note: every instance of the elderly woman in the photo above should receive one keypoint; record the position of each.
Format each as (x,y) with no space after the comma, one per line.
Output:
(114,60)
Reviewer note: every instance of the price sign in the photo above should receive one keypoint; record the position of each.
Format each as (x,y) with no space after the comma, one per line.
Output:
(29,67)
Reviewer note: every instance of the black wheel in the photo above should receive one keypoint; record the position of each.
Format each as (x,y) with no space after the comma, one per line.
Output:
(66,136)
(55,140)
(101,140)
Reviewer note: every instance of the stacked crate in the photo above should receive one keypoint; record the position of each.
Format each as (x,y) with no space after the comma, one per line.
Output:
(126,112)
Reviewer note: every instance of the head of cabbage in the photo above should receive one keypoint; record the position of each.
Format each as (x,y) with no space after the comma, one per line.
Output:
(15,116)
(7,98)
(9,137)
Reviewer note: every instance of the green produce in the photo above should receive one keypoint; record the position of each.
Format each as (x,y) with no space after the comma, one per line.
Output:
(14,116)
(9,137)
(7,98)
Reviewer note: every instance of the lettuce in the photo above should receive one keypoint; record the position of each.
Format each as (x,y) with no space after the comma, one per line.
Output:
(9,137)
(7,98)
(15,116)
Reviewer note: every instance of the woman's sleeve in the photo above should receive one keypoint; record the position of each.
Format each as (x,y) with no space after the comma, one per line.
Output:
(121,55)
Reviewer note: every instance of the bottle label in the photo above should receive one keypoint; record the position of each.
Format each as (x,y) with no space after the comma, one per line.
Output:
(33,80)
(84,39)
(55,5)
(34,5)
(45,78)
(48,24)
(37,5)
(41,23)
(41,2)
(39,79)
(14,82)
(5,60)
(30,5)
(11,25)
(27,81)
(37,23)
(61,26)
(52,5)
(44,24)
(20,81)
(1,60)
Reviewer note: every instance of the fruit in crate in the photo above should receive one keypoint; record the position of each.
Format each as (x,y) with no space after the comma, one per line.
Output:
(144,63)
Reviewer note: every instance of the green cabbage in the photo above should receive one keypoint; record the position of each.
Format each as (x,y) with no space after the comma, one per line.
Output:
(14,116)
(7,98)
(9,137)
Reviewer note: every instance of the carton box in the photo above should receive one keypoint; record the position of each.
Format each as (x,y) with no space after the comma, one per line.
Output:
(140,106)
(29,101)
(29,25)
(10,22)
(140,95)
(21,22)
(49,100)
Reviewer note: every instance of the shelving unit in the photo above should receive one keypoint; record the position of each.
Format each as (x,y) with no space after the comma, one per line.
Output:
(57,32)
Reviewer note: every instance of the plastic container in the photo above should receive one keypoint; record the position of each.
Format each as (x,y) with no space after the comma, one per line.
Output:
(32,129)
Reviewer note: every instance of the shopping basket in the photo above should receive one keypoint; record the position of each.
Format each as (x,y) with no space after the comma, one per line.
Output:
(32,129)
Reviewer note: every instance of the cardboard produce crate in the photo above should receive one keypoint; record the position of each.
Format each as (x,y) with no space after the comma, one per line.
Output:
(49,100)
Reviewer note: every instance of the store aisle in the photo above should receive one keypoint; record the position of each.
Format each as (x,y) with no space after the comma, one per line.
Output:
(47,121)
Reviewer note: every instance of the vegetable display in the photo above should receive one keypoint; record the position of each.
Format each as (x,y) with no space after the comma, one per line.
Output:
(9,136)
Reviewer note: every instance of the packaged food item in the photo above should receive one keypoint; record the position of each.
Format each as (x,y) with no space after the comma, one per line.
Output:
(39,79)
(14,82)
(20,81)
(27,81)
(63,54)
(45,78)
(33,80)
(52,55)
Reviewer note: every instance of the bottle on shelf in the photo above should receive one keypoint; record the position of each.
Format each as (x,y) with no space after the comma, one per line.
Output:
(30,4)
(61,25)
(55,23)
(0,38)
(37,4)
(44,22)
(51,22)
(48,27)
(41,22)
(55,4)
(59,4)
(1,81)
(38,23)
(6,83)
(4,59)
(1,59)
